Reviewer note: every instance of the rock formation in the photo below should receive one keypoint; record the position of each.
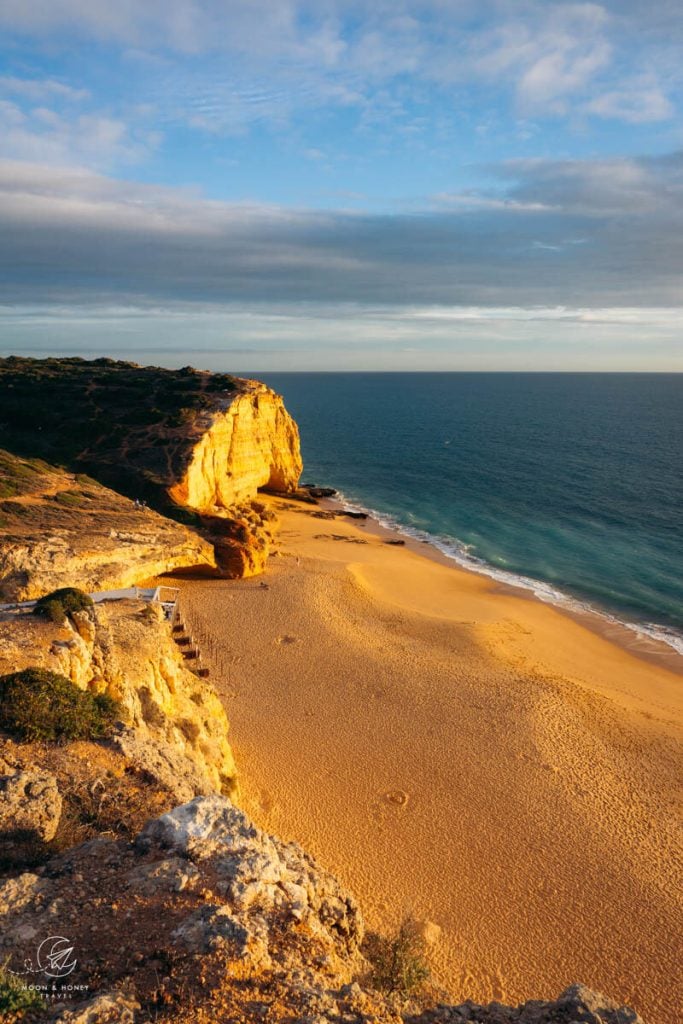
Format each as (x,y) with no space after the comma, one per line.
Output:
(205,442)
(247,442)
(29,802)
(58,528)
(206,918)
(173,724)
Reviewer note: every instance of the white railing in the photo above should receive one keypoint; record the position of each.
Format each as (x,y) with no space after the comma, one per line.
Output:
(167,597)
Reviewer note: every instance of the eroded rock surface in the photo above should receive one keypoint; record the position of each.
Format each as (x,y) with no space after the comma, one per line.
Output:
(173,725)
(206,918)
(59,528)
(248,441)
(29,802)
(576,1005)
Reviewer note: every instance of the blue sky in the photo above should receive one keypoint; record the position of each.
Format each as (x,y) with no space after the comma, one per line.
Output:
(353,185)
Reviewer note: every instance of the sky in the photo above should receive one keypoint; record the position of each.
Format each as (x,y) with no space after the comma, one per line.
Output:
(343,184)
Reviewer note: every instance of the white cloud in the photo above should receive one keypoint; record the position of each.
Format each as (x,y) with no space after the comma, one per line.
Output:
(638,102)
(44,135)
(556,59)
(41,88)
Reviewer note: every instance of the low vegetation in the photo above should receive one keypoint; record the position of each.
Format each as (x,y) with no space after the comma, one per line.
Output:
(36,704)
(123,422)
(398,961)
(61,604)
(19,477)
(16,998)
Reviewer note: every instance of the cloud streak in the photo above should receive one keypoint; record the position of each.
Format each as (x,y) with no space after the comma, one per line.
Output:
(579,233)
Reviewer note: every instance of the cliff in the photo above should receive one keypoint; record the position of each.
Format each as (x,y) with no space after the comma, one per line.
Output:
(197,446)
(189,437)
(58,528)
(173,724)
(250,442)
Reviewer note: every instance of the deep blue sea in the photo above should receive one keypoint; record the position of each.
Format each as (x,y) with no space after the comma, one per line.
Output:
(570,484)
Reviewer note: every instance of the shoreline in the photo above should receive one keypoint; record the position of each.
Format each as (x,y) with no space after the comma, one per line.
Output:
(603,623)
(452,749)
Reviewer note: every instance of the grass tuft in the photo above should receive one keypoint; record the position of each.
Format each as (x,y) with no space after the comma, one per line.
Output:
(36,704)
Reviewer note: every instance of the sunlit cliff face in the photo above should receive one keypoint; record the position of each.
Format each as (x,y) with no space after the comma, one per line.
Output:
(252,444)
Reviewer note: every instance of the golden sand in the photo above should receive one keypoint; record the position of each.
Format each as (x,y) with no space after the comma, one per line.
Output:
(463,753)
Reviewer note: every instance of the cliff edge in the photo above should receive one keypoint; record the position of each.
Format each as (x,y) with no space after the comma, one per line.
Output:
(58,527)
(206,918)
(196,446)
(246,443)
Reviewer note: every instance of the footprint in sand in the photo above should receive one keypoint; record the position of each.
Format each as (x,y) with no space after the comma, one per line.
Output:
(265,801)
(429,931)
(397,797)
(286,639)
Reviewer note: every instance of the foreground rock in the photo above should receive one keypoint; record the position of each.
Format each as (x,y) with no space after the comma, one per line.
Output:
(577,1005)
(207,918)
(30,802)
(204,906)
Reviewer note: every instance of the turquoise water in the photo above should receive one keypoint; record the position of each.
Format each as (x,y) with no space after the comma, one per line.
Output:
(570,484)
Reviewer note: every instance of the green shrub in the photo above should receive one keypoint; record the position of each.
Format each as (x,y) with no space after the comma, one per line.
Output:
(15,997)
(61,604)
(398,961)
(36,704)
(72,499)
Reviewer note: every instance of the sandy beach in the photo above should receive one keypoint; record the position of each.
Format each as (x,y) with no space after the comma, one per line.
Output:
(460,752)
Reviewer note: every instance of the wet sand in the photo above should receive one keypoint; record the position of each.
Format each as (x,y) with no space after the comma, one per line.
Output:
(461,752)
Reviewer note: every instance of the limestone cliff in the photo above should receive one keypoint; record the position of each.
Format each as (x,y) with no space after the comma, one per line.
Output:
(206,440)
(58,529)
(173,724)
(249,442)
(203,441)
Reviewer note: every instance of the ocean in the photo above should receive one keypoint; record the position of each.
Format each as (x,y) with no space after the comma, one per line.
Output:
(570,485)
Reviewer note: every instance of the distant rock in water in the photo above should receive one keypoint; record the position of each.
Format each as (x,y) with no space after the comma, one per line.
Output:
(321,492)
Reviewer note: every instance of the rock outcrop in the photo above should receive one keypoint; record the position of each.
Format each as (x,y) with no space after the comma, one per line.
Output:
(206,918)
(246,443)
(576,1005)
(57,528)
(205,442)
(174,726)
(30,802)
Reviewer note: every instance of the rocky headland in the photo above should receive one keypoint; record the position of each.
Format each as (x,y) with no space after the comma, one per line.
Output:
(130,848)
(195,446)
